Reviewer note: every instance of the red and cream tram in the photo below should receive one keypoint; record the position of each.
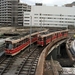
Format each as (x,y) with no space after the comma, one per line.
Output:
(15,45)
(46,38)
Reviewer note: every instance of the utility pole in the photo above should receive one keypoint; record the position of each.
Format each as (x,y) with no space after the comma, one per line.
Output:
(43,22)
(40,22)
(30,30)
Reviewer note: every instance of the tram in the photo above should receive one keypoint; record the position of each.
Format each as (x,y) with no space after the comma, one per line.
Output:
(46,38)
(16,44)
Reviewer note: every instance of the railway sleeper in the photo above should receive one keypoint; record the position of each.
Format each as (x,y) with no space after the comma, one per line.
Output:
(31,57)
(6,71)
(0,71)
(28,62)
(34,64)
(32,69)
(25,69)
(5,62)
(24,72)
(20,73)
(2,65)
(32,73)
(1,68)
(26,66)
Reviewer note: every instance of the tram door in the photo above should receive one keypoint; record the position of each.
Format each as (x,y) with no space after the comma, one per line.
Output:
(44,40)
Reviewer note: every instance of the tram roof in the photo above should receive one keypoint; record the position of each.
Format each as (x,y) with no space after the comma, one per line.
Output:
(50,33)
(17,39)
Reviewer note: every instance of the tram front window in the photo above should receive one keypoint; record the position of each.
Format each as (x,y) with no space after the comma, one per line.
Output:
(9,46)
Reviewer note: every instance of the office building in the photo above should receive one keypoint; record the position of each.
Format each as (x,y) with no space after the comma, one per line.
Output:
(49,16)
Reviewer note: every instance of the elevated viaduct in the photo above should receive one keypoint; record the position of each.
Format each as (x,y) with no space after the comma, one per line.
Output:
(48,49)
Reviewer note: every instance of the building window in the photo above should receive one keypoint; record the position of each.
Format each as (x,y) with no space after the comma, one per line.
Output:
(35,14)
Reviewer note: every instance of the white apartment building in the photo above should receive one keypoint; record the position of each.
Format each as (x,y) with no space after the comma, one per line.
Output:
(49,16)
(11,12)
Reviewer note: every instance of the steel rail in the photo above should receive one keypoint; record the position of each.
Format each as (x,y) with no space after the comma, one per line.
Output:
(25,60)
(3,59)
(8,61)
(7,64)
(29,72)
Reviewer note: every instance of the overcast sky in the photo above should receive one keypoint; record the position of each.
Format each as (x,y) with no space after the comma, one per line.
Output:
(47,2)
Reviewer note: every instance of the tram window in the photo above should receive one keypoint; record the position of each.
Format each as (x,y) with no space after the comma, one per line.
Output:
(25,40)
(17,44)
(10,46)
(22,42)
(55,35)
(40,39)
(7,45)
(62,33)
(47,37)
(14,45)
(34,35)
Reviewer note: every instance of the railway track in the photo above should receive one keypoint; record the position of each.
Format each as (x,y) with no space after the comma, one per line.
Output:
(29,64)
(3,58)
(23,63)
(5,64)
